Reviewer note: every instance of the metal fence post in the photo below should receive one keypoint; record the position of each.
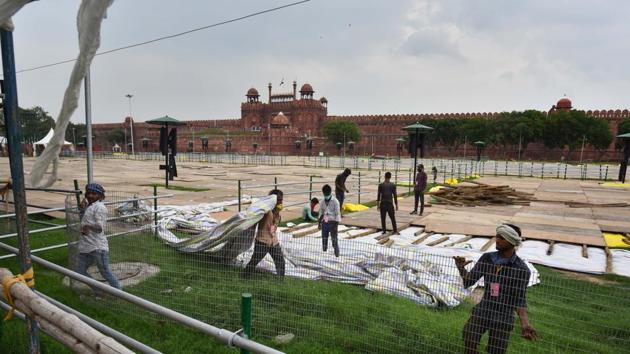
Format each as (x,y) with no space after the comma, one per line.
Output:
(558,170)
(606,176)
(155,206)
(531,172)
(77,192)
(379,177)
(359,195)
(310,187)
(565,170)
(542,171)
(275,183)
(409,182)
(246,317)
(16,165)
(239,195)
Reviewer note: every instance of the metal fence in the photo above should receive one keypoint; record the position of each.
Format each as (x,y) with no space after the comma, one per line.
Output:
(446,167)
(377,297)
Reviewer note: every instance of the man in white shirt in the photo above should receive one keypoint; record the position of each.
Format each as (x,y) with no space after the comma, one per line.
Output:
(93,246)
(329,219)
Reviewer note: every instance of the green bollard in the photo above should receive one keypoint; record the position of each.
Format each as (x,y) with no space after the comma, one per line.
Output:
(246,317)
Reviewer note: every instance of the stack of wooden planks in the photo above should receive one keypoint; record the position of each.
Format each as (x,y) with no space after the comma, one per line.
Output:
(480,194)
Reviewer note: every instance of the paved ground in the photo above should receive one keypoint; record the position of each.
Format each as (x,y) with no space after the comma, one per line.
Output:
(220,182)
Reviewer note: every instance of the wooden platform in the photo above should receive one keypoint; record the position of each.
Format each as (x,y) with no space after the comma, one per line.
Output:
(372,219)
(549,219)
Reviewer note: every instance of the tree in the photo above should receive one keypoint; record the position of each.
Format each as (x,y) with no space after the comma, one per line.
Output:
(340,131)
(35,123)
(571,128)
(116,136)
(75,133)
(623,128)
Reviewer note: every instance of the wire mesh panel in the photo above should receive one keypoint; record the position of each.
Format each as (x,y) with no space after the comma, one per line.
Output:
(127,217)
(381,294)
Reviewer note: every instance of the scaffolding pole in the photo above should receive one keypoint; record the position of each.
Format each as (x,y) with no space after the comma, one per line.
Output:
(10,102)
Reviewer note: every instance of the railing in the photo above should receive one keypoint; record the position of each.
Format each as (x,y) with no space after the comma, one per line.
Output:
(447,167)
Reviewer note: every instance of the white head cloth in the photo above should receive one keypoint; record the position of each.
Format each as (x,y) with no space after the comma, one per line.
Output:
(509,234)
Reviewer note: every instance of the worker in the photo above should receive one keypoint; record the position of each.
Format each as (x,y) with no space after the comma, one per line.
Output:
(419,185)
(93,246)
(266,240)
(385,200)
(308,212)
(505,278)
(329,219)
(340,186)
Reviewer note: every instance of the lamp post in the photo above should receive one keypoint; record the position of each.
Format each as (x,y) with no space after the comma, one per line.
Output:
(414,136)
(399,146)
(133,151)
(479,144)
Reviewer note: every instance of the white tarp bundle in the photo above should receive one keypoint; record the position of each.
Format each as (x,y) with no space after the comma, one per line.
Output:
(227,239)
(8,8)
(426,275)
(89,18)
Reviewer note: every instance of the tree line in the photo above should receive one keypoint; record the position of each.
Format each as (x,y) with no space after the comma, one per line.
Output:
(507,130)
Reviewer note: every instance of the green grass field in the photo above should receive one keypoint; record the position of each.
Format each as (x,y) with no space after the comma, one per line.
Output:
(570,314)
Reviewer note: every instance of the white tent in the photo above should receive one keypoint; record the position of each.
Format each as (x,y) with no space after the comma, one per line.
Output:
(45,140)
(3,140)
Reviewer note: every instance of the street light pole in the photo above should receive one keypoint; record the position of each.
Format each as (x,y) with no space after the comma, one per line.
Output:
(133,150)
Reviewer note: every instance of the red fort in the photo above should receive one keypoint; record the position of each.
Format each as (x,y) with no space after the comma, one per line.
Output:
(287,119)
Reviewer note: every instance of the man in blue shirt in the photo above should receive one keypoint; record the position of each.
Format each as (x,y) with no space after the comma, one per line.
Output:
(505,278)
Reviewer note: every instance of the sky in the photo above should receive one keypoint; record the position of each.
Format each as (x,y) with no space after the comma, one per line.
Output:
(364,56)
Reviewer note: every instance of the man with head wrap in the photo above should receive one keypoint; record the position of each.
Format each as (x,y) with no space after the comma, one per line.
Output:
(505,278)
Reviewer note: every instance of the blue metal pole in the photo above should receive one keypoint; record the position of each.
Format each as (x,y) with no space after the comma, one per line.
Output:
(17,167)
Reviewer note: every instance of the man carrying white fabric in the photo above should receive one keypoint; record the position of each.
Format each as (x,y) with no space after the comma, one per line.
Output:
(505,278)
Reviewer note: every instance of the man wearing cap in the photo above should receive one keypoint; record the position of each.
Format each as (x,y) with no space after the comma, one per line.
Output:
(505,278)
(93,247)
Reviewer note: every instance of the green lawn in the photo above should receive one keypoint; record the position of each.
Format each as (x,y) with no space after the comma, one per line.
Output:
(570,315)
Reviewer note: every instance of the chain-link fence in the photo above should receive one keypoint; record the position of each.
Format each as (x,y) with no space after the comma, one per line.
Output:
(446,167)
(382,294)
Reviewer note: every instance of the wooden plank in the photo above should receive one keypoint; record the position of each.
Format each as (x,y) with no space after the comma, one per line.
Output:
(608,260)
(550,248)
(383,241)
(487,244)
(389,243)
(421,231)
(462,240)
(584,251)
(297,228)
(438,241)
(421,239)
(383,236)
(305,233)
(365,233)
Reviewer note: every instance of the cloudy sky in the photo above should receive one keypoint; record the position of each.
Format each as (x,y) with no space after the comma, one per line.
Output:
(365,56)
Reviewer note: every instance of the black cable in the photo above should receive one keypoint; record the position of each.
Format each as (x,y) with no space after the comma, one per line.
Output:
(170,36)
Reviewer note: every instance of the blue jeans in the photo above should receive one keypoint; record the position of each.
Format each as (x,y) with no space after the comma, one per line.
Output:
(101,258)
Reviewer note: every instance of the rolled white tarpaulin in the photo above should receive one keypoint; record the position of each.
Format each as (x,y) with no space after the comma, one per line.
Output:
(89,18)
